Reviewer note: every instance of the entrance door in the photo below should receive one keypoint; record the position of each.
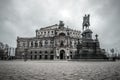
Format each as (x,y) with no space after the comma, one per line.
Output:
(51,57)
(31,57)
(46,56)
(35,57)
(62,54)
(40,57)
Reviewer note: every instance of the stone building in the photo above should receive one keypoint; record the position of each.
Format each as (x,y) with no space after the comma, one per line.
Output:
(60,42)
(6,51)
(52,42)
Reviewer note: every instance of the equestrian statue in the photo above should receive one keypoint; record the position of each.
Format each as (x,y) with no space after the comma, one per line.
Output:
(86,21)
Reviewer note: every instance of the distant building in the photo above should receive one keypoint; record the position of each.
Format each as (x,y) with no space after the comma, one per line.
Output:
(6,51)
(3,51)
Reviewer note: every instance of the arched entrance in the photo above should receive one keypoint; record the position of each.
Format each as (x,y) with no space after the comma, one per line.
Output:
(62,54)
(62,34)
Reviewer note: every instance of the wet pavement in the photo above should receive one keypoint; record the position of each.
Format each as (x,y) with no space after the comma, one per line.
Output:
(59,70)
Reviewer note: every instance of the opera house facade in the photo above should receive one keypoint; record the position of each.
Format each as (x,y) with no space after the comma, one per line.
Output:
(57,42)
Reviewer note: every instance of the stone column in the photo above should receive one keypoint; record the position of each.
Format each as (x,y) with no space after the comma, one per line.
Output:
(68,54)
(38,56)
(43,43)
(48,43)
(29,43)
(57,54)
(38,44)
(33,44)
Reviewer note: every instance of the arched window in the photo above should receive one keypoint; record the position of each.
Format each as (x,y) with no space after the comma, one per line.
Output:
(35,52)
(62,34)
(52,32)
(55,33)
(51,42)
(61,44)
(31,44)
(36,44)
(52,52)
(75,43)
(44,32)
(23,44)
(40,43)
(46,52)
(46,42)
(68,33)
(40,52)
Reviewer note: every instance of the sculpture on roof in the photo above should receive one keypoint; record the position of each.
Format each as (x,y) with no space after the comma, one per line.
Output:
(61,24)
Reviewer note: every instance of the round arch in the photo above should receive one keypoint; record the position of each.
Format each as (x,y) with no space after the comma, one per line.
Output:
(62,54)
(62,34)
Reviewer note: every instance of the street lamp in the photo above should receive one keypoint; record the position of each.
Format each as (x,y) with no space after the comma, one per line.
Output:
(25,54)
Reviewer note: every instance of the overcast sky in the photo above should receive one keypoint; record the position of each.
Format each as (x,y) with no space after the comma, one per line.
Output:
(22,17)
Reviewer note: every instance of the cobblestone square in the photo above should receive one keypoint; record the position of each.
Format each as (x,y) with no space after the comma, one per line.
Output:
(59,70)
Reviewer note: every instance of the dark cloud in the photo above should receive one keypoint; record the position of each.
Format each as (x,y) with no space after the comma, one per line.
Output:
(23,17)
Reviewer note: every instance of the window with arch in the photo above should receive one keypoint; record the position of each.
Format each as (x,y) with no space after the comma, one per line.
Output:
(41,32)
(75,43)
(62,34)
(52,32)
(23,44)
(51,42)
(46,42)
(68,33)
(36,44)
(52,52)
(35,52)
(62,43)
(40,52)
(32,44)
(44,32)
(40,43)
(46,52)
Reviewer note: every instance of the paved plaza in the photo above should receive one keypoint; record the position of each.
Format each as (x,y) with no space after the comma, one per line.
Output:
(59,70)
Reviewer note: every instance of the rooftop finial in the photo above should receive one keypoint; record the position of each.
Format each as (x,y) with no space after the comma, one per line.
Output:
(61,24)
(96,37)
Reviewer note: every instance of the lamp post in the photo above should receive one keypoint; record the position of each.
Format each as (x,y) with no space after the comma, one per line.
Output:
(113,55)
(25,54)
